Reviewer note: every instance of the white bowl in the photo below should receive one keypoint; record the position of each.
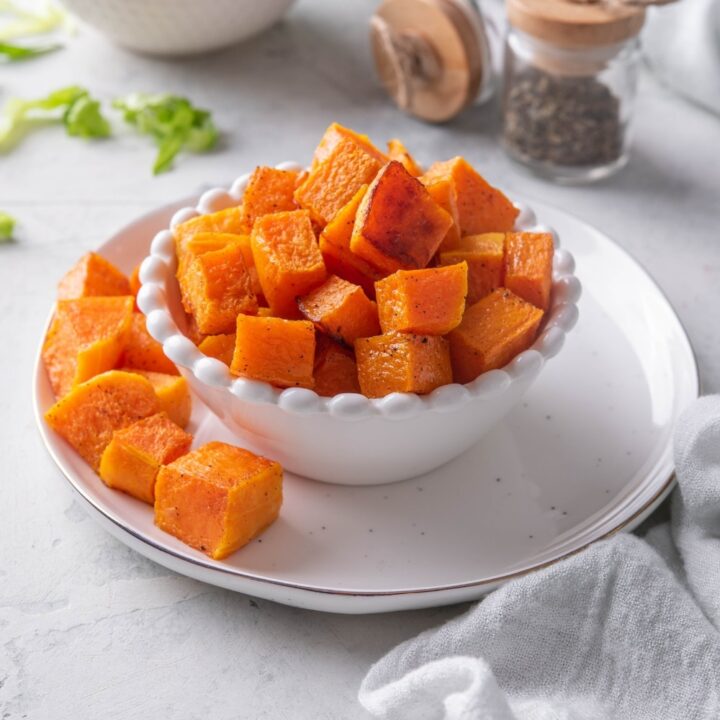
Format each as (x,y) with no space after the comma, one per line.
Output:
(178,27)
(348,439)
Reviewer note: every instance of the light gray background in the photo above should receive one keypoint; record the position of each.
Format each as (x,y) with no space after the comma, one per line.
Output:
(89,629)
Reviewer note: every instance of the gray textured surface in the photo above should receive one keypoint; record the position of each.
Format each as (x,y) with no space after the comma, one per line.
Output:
(89,629)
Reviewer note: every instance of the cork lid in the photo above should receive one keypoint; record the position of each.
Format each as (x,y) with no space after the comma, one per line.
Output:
(575,24)
(432,56)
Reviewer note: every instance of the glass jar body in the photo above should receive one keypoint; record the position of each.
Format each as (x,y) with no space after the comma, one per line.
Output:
(567,112)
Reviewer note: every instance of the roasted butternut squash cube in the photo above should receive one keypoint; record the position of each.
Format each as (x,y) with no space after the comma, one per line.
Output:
(333,181)
(269,190)
(424,302)
(192,331)
(265,312)
(335,369)
(86,337)
(218,498)
(93,276)
(89,414)
(337,133)
(133,458)
(528,266)
(398,151)
(216,287)
(442,191)
(201,243)
(485,257)
(220,347)
(287,258)
(135,284)
(401,362)
(143,352)
(341,310)
(173,393)
(275,350)
(493,331)
(482,208)
(398,225)
(231,220)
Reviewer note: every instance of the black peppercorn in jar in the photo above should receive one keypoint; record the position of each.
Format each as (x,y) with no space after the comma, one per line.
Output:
(569,85)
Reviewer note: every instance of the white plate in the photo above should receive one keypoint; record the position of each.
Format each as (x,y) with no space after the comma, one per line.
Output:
(587,453)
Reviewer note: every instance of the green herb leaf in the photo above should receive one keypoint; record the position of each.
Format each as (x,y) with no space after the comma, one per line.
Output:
(14,53)
(172,121)
(7,225)
(84,119)
(45,18)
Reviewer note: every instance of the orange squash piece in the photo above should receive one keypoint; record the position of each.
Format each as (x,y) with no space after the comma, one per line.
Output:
(493,331)
(335,134)
(143,352)
(231,220)
(218,498)
(423,302)
(220,347)
(398,151)
(398,225)
(265,312)
(173,393)
(216,286)
(133,458)
(92,276)
(333,181)
(485,257)
(86,337)
(482,208)
(134,281)
(335,369)
(528,266)
(442,191)
(269,190)
(335,248)
(401,362)
(341,310)
(278,351)
(89,414)
(287,258)
(192,331)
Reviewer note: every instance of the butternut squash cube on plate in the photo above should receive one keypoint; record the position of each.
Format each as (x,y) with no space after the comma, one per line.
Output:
(442,191)
(173,393)
(269,190)
(493,331)
(231,220)
(335,134)
(402,362)
(134,281)
(335,248)
(485,258)
(217,286)
(277,351)
(334,180)
(424,302)
(218,498)
(143,352)
(528,266)
(398,151)
(90,413)
(133,458)
(482,208)
(86,337)
(341,310)
(93,276)
(220,347)
(335,369)
(398,225)
(287,258)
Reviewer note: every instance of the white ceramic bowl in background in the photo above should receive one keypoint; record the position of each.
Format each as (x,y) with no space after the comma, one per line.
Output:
(178,27)
(348,439)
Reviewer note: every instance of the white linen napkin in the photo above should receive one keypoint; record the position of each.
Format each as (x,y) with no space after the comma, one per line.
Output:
(627,630)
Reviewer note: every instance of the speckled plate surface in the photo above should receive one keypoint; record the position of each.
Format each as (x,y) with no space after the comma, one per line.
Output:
(587,453)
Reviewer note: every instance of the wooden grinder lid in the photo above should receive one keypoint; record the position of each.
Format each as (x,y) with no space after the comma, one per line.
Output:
(431,55)
(573,24)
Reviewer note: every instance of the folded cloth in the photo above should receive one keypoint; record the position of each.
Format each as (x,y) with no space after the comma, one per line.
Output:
(626,630)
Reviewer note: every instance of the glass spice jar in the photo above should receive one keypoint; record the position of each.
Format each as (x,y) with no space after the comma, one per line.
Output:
(570,76)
